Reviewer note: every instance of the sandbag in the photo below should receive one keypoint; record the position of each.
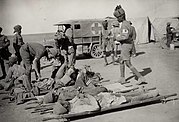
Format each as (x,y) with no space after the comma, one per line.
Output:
(59,109)
(48,98)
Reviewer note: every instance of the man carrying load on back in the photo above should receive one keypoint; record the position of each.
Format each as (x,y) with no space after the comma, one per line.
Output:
(125,38)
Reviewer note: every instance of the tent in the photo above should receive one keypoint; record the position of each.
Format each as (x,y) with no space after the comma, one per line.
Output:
(144,28)
(160,26)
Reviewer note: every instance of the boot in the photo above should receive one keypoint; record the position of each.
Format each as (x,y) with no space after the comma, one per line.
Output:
(141,80)
(113,59)
(122,80)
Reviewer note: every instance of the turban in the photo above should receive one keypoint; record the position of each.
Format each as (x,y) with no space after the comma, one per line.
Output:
(118,11)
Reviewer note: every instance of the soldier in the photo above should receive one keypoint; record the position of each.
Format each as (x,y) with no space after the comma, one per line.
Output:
(14,74)
(125,38)
(104,40)
(4,53)
(65,45)
(71,47)
(169,34)
(31,53)
(17,41)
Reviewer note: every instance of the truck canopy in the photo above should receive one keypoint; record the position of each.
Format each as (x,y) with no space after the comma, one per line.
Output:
(85,27)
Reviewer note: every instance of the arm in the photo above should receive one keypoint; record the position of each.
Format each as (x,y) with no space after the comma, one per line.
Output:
(134,34)
(36,67)
(9,75)
(7,42)
(15,48)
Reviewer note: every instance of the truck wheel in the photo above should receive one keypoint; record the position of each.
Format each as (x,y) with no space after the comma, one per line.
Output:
(96,51)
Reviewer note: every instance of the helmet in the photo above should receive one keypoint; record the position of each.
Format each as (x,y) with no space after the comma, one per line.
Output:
(17,28)
(115,24)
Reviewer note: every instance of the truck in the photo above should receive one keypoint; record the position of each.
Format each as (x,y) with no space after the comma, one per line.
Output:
(86,34)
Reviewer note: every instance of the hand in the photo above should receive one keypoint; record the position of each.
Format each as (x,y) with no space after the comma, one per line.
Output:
(13,55)
(39,77)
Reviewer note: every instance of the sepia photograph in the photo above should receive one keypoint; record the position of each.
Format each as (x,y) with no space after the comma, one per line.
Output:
(89,60)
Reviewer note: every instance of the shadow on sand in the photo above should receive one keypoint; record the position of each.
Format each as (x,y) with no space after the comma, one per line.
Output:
(143,73)
(140,53)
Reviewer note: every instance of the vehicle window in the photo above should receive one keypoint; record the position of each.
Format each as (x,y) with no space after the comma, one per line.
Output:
(77,26)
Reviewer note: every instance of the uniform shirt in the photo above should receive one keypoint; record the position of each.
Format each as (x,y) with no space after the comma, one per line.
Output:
(37,50)
(126,33)
(17,42)
(104,35)
(4,51)
(63,44)
(169,30)
(4,42)
(17,39)
(59,36)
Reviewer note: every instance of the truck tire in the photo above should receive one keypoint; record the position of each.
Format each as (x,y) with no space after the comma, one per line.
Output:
(96,51)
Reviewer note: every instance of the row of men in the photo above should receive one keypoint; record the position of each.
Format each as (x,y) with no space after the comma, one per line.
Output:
(31,53)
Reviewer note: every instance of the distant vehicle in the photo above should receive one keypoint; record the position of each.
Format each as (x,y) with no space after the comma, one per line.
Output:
(86,34)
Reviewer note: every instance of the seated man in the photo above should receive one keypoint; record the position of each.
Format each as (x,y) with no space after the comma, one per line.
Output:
(15,74)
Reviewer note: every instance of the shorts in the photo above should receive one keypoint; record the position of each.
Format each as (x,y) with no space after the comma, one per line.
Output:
(110,45)
(125,51)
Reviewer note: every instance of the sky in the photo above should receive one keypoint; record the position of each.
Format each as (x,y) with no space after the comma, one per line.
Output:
(38,16)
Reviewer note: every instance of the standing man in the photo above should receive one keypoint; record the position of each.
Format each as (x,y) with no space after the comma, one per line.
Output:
(169,34)
(125,38)
(4,53)
(17,41)
(31,53)
(104,40)
(71,47)
(133,52)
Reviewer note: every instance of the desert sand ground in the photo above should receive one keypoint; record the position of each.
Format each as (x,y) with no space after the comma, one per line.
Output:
(160,68)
